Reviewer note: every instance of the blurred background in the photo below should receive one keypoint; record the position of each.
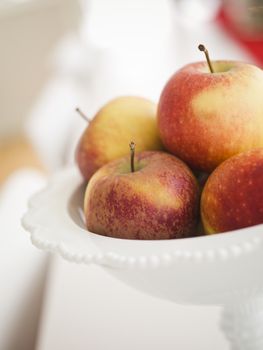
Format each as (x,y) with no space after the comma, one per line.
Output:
(60,54)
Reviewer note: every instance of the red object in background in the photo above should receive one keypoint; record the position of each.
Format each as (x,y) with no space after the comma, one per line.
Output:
(254,46)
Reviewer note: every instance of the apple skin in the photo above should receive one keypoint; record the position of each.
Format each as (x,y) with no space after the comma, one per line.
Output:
(160,200)
(106,137)
(233,194)
(206,118)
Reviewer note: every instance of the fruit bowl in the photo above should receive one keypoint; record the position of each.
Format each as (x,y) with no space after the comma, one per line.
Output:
(222,269)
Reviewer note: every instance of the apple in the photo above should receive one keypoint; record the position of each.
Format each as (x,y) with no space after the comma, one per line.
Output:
(233,194)
(108,133)
(206,115)
(158,200)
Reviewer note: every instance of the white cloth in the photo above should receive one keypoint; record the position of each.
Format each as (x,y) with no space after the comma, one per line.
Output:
(22,266)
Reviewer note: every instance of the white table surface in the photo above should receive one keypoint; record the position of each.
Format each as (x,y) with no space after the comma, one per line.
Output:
(86,308)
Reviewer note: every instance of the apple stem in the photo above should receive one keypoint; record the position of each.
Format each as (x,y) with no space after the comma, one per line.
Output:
(203,48)
(82,115)
(132,149)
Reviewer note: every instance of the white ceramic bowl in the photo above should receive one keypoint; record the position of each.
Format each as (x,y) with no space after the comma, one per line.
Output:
(222,269)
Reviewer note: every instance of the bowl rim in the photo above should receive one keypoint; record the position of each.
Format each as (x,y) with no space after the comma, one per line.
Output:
(87,247)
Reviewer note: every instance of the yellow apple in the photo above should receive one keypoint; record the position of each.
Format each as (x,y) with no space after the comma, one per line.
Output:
(108,133)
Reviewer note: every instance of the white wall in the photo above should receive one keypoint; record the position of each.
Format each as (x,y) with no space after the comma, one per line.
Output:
(29,31)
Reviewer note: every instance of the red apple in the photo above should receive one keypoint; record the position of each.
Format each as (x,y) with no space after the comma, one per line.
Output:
(205,118)
(233,194)
(159,200)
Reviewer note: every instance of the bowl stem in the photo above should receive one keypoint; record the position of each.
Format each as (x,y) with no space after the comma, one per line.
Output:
(242,324)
